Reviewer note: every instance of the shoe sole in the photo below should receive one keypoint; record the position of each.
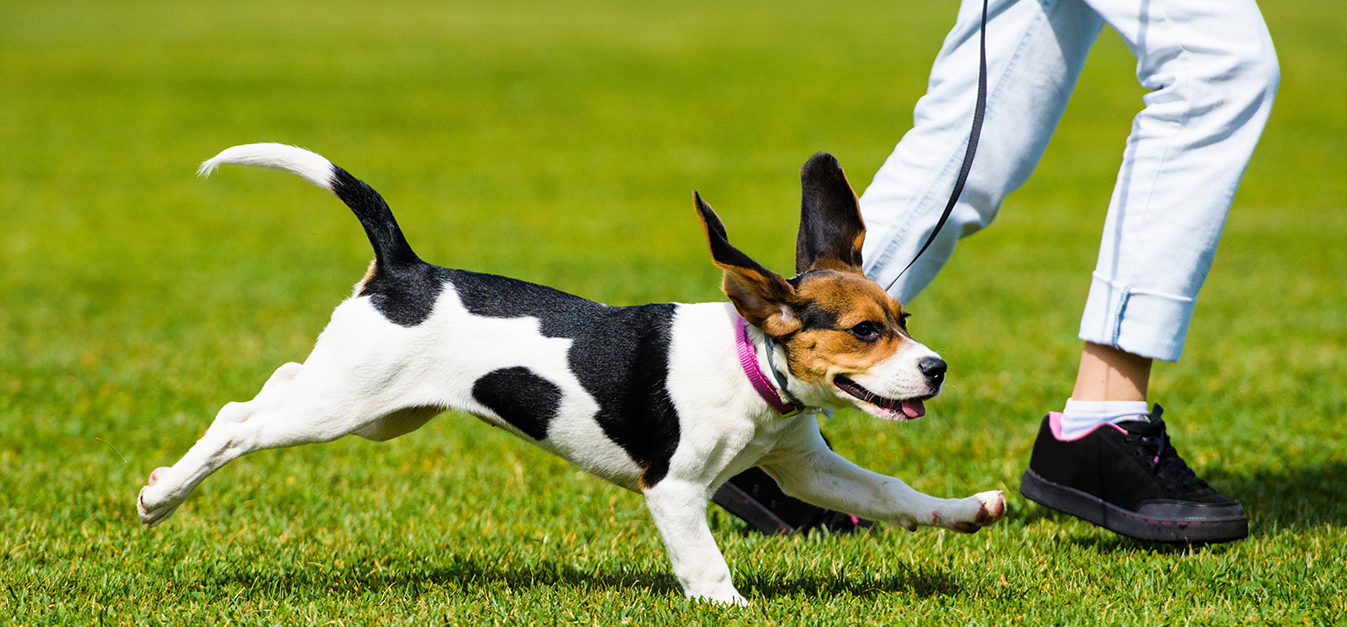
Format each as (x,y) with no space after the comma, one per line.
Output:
(1120,521)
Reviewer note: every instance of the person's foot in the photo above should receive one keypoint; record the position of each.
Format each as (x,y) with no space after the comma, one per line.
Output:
(1127,478)
(756,499)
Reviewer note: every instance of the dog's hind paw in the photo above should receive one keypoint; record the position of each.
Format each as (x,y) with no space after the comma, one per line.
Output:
(722,598)
(154,505)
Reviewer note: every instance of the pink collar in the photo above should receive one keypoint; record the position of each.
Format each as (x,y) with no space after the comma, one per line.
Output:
(748,358)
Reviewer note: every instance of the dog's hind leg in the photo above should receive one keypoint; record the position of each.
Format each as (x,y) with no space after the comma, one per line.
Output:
(809,470)
(679,510)
(287,411)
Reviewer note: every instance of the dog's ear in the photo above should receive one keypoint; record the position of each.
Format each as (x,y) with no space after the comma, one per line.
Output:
(761,296)
(831,230)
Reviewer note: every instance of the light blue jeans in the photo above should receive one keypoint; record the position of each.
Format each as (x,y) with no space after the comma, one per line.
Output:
(1212,72)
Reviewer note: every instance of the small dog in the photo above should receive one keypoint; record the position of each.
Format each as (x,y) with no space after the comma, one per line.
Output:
(668,400)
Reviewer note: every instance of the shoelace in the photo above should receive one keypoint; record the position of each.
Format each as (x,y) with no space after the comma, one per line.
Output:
(1152,442)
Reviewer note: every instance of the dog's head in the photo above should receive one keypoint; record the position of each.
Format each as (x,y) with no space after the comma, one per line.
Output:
(845,338)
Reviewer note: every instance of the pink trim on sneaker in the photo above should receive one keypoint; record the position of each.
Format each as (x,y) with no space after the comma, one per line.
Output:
(1055,424)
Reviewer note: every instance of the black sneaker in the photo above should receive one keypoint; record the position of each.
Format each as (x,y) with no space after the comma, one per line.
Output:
(1127,478)
(755,498)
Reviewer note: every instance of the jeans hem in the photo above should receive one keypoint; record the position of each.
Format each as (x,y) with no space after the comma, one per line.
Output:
(1140,322)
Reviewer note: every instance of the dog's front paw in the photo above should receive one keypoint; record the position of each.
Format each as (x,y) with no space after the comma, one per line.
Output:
(155,504)
(991,508)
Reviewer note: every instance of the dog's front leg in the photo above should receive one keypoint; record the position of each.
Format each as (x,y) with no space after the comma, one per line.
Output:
(809,470)
(679,510)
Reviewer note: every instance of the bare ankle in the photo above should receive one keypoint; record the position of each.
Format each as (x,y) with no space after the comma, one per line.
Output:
(1111,374)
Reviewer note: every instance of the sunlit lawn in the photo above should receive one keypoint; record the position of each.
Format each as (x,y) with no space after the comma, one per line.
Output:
(560,143)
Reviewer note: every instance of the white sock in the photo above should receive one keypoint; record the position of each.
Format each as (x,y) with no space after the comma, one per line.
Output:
(1079,417)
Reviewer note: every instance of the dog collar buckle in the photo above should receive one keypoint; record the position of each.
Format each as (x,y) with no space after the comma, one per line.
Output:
(748,359)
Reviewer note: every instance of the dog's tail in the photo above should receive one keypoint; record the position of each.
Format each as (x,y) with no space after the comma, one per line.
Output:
(391,249)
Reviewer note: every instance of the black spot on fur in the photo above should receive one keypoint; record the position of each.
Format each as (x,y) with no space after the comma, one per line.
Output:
(521,398)
(405,294)
(619,354)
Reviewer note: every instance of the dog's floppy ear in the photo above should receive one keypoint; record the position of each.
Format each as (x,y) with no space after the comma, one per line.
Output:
(831,230)
(761,296)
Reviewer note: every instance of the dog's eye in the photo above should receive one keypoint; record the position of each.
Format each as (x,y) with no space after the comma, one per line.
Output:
(866,331)
(902,320)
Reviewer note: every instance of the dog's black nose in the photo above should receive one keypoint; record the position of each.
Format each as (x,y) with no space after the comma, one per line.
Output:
(934,369)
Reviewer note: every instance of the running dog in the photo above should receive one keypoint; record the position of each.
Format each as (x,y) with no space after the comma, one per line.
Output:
(668,400)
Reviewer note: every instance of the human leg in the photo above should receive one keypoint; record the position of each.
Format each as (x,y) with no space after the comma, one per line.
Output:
(1213,73)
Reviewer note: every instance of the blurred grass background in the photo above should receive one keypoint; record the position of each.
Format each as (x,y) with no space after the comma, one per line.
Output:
(560,143)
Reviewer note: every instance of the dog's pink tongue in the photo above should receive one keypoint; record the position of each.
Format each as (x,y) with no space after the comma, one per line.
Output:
(914,408)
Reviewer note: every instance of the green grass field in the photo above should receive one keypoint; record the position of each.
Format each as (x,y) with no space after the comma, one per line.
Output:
(560,143)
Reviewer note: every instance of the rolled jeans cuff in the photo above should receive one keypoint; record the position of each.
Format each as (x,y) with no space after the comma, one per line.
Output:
(1137,321)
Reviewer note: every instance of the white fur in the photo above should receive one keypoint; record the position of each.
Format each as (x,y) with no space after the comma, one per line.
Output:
(899,376)
(371,377)
(280,157)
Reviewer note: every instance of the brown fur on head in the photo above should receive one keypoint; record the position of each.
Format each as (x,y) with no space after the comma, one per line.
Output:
(831,319)
(848,323)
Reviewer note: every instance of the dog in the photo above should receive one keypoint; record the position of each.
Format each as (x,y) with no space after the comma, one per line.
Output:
(668,400)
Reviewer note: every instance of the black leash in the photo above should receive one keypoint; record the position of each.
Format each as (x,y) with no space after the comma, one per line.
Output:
(973,135)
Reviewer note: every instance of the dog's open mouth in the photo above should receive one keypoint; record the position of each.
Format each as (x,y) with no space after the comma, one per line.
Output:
(911,407)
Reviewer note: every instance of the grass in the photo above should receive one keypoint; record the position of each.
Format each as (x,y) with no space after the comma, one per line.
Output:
(560,143)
